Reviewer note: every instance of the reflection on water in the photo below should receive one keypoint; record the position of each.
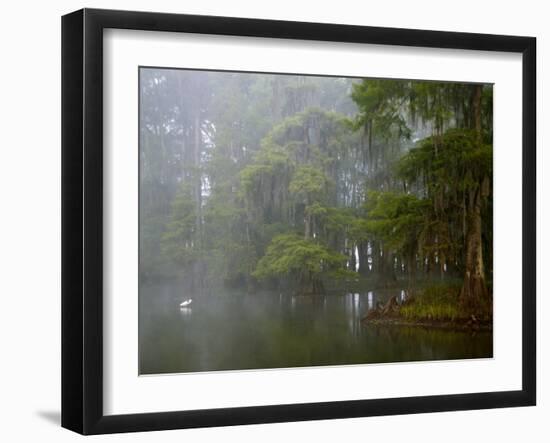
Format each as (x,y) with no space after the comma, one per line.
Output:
(185,311)
(232,330)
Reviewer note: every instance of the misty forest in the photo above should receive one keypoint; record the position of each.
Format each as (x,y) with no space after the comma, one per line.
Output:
(291,220)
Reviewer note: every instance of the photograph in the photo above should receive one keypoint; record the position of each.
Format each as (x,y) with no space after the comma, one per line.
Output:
(290,220)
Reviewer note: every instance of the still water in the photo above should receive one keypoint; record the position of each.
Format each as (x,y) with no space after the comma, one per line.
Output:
(235,330)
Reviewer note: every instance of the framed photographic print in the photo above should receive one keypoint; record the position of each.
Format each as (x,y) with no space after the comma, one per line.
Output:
(270,221)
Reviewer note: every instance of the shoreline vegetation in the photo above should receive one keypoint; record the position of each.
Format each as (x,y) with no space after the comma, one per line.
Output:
(306,184)
(433,307)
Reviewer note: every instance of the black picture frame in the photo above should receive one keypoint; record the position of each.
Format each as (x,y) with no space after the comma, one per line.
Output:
(82,219)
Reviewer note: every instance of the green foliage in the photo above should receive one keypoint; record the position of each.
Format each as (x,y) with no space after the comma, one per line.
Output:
(454,162)
(439,311)
(317,210)
(178,240)
(308,184)
(454,171)
(254,176)
(291,255)
(396,219)
(438,303)
(441,302)
(381,103)
(296,172)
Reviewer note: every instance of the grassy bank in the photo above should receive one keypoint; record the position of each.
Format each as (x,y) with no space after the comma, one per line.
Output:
(438,306)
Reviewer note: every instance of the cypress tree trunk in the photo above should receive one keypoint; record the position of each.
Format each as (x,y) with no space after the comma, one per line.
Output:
(411,270)
(307,221)
(474,287)
(386,268)
(362,248)
(307,227)
(310,284)
(352,260)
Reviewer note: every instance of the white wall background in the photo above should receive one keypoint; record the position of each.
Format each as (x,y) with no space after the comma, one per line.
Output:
(30,219)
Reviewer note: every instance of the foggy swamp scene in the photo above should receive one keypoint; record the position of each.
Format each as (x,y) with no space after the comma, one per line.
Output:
(297,220)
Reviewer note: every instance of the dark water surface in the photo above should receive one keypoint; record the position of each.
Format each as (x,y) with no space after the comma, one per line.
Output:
(235,330)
